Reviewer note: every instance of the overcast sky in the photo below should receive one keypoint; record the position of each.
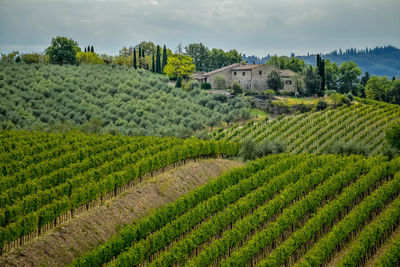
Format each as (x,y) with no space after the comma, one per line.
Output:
(257,27)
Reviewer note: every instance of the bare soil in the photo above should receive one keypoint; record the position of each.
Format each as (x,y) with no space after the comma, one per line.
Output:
(92,228)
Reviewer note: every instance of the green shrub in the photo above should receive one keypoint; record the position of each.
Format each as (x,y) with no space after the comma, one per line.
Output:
(206,86)
(237,88)
(321,105)
(393,135)
(348,148)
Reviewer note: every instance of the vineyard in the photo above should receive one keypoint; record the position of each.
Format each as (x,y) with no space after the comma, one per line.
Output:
(363,123)
(46,179)
(284,209)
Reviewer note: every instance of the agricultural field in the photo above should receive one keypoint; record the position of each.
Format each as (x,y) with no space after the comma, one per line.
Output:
(363,123)
(285,209)
(107,99)
(47,179)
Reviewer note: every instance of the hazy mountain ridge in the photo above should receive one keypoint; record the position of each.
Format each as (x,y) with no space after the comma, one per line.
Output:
(377,61)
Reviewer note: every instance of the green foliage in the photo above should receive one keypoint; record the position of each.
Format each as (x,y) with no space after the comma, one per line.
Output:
(274,81)
(179,65)
(128,101)
(312,82)
(393,135)
(57,173)
(348,77)
(377,88)
(347,148)
(248,149)
(88,58)
(31,58)
(178,83)
(206,86)
(269,93)
(339,99)
(9,58)
(237,88)
(220,82)
(321,105)
(62,51)
(294,64)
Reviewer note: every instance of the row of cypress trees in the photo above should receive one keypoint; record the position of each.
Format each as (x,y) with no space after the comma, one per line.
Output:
(157,65)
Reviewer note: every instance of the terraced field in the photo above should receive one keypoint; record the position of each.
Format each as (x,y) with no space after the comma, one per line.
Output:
(47,178)
(314,132)
(282,209)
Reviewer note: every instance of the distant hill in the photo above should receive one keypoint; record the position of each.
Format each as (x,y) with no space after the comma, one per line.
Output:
(377,61)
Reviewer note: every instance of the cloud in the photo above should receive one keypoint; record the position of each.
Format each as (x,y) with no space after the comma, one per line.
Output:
(252,26)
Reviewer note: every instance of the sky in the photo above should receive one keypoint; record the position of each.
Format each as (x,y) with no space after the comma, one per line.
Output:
(253,27)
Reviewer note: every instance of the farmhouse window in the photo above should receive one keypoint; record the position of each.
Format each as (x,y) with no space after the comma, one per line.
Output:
(288,82)
(234,73)
(243,73)
(260,72)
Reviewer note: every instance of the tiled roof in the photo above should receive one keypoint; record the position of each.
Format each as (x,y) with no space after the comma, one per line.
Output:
(247,67)
(287,73)
(221,69)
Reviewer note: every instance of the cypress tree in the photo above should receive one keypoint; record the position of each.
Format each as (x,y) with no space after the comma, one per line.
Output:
(153,66)
(158,60)
(92,49)
(321,71)
(88,48)
(140,56)
(134,58)
(142,53)
(85,49)
(164,58)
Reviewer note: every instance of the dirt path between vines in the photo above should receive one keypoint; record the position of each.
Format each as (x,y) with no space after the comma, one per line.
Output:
(91,228)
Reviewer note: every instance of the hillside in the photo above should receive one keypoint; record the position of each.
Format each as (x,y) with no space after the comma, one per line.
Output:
(377,61)
(106,99)
(47,179)
(315,132)
(283,209)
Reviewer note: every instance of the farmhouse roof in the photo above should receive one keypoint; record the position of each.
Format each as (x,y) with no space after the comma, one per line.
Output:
(287,73)
(222,69)
(247,67)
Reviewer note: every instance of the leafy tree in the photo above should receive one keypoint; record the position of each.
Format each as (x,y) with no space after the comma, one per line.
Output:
(393,135)
(312,81)
(146,48)
(220,82)
(274,81)
(9,58)
(299,84)
(31,58)
(331,75)
(377,88)
(88,58)
(179,65)
(348,77)
(200,54)
(62,51)
(164,58)
(237,88)
(394,93)
(294,64)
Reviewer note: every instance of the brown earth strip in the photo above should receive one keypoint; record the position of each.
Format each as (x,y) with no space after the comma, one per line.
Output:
(94,227)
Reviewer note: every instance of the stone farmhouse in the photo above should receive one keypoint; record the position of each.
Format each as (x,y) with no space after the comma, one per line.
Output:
(250,76)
